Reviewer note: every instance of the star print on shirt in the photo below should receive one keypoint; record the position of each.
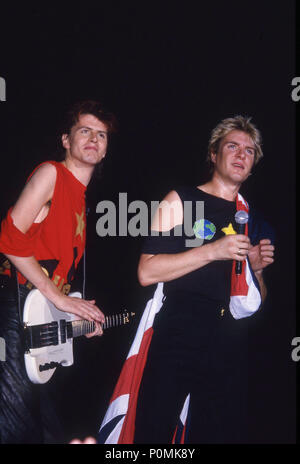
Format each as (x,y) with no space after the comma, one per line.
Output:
(80,224)
(229,230)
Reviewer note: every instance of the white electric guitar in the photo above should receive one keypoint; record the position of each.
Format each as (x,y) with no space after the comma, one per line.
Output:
(49,335)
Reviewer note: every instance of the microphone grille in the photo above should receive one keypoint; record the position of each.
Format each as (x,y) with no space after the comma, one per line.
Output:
(241,217)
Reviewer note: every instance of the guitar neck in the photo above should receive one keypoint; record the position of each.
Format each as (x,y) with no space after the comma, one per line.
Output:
(79,328)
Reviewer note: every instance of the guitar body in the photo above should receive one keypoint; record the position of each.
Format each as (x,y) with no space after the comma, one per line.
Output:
(41,362)
(49,334)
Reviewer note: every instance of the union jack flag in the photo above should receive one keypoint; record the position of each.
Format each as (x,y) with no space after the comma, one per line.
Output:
(118,423)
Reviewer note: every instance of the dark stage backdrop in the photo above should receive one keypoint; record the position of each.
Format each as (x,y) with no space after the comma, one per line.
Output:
(170,71)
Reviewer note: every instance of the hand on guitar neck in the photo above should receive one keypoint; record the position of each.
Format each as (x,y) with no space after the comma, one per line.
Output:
(84,309)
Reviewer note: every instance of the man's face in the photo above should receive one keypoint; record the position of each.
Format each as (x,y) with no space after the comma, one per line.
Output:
(235,157)
(87,142)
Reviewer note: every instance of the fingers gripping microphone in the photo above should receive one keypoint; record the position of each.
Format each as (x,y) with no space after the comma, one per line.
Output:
(241,219)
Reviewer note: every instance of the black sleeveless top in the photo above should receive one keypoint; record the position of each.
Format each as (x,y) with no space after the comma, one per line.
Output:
(207,218)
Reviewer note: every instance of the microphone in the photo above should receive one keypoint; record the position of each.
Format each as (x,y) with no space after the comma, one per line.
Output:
(241,219)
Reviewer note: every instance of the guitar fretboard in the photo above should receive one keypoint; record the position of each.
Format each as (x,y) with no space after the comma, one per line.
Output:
(85,327)
(82,328)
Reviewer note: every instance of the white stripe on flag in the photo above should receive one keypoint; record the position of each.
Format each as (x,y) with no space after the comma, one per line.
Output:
(153,306)
(246,305)
(185,410)
(117,407)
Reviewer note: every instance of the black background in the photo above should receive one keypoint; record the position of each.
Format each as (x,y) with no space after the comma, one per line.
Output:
(170,71)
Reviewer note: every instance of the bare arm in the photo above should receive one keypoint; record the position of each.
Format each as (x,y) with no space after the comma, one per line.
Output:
(31,207)
(166,267)
(31,204)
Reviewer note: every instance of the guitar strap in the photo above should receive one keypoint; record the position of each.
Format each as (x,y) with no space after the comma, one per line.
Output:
(84,257)
(84,274)
(18,294)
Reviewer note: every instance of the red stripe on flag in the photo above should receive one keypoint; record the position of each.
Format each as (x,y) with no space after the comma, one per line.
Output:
(239,286)
(129,383)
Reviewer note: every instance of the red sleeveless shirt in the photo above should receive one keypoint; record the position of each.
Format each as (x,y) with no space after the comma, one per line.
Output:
(58,241)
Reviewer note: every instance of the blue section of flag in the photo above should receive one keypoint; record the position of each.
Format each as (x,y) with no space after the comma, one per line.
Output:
(258,228)
(108,428)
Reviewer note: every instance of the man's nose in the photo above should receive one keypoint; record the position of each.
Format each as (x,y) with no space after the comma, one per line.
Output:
(241,152)
(93,136)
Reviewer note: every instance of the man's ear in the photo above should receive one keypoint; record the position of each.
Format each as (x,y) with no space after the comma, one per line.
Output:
(213,157)
(65,141)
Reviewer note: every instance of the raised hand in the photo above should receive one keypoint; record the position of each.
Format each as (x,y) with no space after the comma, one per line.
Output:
(261,255)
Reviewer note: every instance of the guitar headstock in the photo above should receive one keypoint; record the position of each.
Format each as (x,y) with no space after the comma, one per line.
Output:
(115,320)
(127,316)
